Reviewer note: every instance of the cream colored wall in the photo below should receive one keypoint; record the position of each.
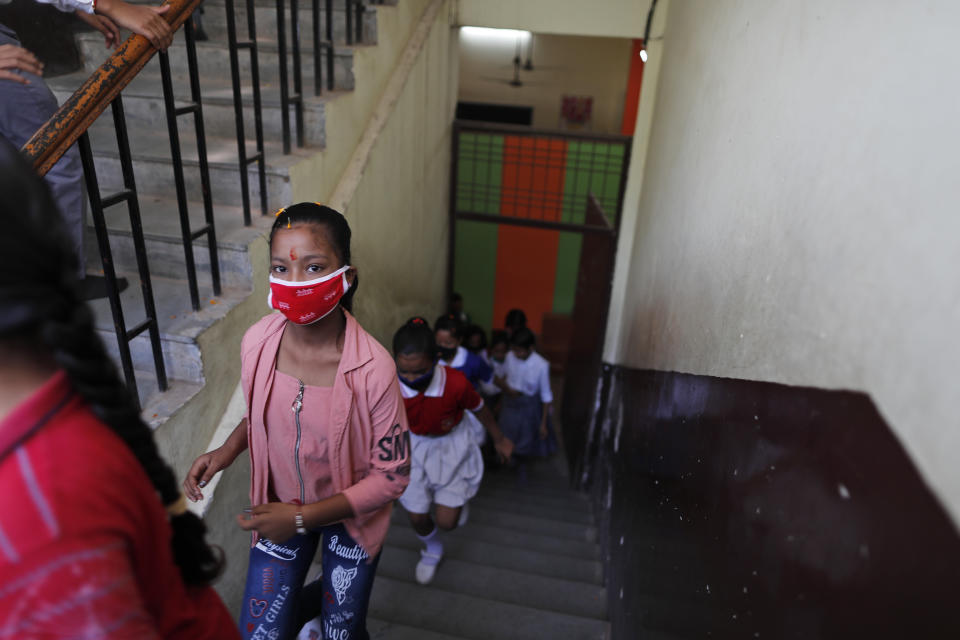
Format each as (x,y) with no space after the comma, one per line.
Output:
(606,18)
(398,210)
(798,215)
(563,65)
(313,175)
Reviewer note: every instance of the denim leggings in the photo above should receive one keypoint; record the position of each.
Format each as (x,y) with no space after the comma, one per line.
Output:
(276,604)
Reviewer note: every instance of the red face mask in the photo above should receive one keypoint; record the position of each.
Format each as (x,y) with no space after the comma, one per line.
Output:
(307,301)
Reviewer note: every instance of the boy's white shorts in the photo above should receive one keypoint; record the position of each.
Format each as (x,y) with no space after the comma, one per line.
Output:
(445,470)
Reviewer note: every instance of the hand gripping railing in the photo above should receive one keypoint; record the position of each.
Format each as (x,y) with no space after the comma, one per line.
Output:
(70,123)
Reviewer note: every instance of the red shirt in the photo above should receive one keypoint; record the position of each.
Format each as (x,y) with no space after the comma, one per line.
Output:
(84,541)
(440,407)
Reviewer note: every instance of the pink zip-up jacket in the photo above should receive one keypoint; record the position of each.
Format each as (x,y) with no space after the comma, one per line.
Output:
(369,452)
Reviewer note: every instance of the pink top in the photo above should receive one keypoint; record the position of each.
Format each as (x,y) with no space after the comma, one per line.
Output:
(285,452)
(368,439)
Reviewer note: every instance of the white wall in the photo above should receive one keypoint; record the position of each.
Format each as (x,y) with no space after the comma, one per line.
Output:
(606,18)
(397,207)
(563,65)
(798,216)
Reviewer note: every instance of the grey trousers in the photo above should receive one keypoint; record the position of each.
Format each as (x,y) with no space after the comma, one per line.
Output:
(24,108)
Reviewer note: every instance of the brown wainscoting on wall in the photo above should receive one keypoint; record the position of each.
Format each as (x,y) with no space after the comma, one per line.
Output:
(739,509)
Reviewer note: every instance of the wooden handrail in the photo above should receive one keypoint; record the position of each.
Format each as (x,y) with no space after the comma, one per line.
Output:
(86,104)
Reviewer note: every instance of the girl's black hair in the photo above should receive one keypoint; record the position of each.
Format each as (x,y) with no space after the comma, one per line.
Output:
(415,337)
(499,336)
(41,311)
(523,338)
(515,319)
(338,234)
(449,322)
(475,330)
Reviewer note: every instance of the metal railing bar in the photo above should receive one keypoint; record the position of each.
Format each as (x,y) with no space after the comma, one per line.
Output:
(179,182)
(297,71)
(233,46)
(199,233)
(116,198)
(317,47)
(190,108)
(139,245)
(349,19)
(257,111)
(106,256)
(530,222)
(331,67)
(284,89)
(140,328)
(361,9)
(205,188)
(81,109)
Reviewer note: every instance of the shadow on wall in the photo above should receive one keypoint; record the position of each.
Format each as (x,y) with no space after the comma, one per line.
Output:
(738,509)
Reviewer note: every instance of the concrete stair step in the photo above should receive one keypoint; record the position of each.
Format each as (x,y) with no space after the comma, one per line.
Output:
(574,501)
(432,608)
(164,245)
(157,407)
(143,105)
(495,554)
(533,524)
(153,170)
(383,630)
(179,324)
(265,13)
(502,585)
(555,489)
(531,508)
(213,60)
(513,538)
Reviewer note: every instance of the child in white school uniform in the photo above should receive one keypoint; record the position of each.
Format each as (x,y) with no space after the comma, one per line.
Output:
(446,464)
(527,399)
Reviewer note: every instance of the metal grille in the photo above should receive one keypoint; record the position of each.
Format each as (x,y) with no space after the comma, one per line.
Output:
(517,174)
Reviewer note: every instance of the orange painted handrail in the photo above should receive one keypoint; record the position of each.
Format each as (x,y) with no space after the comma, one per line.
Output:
(86,104)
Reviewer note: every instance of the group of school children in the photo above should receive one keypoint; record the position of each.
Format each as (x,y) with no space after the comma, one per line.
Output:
(448,391)
(95,535)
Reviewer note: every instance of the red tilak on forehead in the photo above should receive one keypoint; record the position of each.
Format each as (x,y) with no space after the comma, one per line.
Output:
(293,254)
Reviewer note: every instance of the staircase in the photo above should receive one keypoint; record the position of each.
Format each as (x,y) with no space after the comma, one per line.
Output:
(527,565)
(180,326)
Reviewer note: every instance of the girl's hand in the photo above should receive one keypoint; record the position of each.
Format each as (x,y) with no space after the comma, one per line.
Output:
(13,59)
(103,24)
(146,21)
(543,431)
(203,468)
(504,447)
(275,521)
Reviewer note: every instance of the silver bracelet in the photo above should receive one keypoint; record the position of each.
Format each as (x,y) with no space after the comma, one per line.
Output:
(298,520)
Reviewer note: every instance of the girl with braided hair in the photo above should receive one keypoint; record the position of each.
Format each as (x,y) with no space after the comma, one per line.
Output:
(327,435)
(95,539)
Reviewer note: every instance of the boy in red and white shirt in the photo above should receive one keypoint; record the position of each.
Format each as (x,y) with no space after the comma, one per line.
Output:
(446,463)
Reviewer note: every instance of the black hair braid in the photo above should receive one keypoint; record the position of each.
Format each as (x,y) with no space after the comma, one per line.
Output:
(338,234)
(78,349)
(35,249)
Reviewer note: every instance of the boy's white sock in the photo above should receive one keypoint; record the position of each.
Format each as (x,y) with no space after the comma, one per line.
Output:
(434,550)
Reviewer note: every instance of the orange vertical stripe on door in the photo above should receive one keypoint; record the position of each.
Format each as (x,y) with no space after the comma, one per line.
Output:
(526,273)
(531,187)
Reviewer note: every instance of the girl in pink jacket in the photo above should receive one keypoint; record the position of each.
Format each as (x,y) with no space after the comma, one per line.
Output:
(327,435)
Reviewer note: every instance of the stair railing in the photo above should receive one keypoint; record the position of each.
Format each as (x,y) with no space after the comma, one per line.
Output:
(250,44)
(354,12)
(69,124)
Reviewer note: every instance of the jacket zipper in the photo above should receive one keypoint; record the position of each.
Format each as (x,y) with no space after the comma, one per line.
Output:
(297,405)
